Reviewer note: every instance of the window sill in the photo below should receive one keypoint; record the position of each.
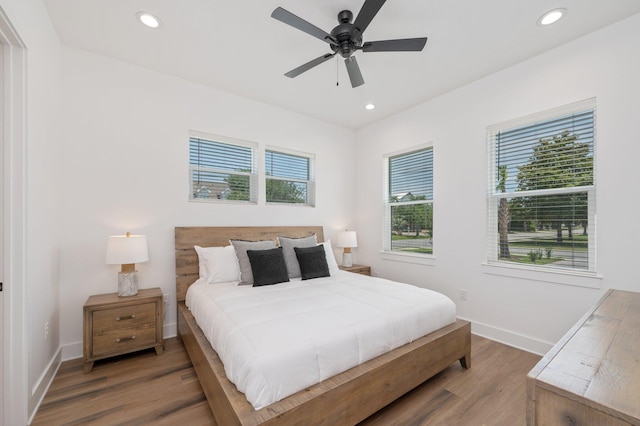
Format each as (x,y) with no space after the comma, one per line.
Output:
(419,259)
(572,278)
(221,201)
(273,203)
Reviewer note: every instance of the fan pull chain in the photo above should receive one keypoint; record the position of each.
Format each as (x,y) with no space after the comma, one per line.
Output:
(337,73)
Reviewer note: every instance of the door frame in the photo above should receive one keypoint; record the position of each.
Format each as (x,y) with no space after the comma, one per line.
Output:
(13,141)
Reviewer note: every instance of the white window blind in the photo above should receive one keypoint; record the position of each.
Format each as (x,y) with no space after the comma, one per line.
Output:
(222,169)
(408,201)
(289,177)
(541,206)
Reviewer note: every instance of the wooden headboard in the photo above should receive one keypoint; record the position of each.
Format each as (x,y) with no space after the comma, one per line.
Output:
(217,236)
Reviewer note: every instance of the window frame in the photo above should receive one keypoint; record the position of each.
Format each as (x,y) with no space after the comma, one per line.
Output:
(557,274)
(310,181)
(398,255)
(253,175)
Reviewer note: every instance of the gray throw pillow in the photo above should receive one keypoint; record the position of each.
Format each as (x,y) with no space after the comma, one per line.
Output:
(241,247)
(290,259)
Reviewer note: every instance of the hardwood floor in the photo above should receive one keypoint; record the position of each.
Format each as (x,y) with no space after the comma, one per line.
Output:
(491,392)
(143,388)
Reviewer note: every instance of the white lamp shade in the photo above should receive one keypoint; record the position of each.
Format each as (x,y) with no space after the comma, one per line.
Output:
(347,239)
(123,249)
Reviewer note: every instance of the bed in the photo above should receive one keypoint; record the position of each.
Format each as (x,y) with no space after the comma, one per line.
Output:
(345,398)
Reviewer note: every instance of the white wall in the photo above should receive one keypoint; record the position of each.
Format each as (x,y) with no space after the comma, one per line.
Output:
(529,311)
(40,177)
(125,168)
(122,166)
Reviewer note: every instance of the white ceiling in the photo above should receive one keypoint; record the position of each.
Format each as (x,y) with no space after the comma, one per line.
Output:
(237,47)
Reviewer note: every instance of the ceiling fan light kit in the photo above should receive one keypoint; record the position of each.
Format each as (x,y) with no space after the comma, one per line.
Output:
(346,38)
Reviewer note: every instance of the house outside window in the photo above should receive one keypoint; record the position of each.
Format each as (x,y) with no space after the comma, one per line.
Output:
(289,177)
(541,202)
(408,202)
(222,169)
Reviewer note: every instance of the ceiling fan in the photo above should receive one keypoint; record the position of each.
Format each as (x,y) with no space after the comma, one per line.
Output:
(346,39)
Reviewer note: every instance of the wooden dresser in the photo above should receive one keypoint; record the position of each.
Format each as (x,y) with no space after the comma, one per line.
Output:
(592,375)
(116,325)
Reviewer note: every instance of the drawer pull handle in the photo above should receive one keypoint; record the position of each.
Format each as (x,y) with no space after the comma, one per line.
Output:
(126,317)
(125,339)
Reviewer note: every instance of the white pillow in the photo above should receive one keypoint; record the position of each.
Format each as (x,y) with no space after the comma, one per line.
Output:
(218,264)
(202,263)
(331,259)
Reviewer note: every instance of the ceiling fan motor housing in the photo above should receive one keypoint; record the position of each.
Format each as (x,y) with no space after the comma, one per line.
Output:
(347,36)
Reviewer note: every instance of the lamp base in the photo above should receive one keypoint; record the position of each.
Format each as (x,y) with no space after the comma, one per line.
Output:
(127,283)
(347,259)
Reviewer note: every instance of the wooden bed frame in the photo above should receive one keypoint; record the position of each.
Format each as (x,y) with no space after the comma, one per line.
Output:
(346,398)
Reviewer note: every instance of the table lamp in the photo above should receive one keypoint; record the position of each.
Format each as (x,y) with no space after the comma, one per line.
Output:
(347,240)
(127,250)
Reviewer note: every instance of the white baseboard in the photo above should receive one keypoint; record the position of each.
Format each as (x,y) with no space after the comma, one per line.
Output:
(516,340)
(39,390)
(170,330)
(71,351)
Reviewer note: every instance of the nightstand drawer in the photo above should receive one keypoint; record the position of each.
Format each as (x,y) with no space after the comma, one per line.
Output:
(122,339)
(129,317)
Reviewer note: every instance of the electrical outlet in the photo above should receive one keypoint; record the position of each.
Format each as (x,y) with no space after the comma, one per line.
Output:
(464,294)
(165,302)
(46,330)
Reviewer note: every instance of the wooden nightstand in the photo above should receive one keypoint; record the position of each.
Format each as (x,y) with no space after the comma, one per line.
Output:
(115,325)
(357,269)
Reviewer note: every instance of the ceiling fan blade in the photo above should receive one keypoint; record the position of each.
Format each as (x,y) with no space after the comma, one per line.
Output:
(306,67)
(369,10)
(354,71)
(400,45)
(295,21)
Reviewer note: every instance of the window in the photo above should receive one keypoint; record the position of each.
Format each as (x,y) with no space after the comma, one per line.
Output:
(289,177)
(222,169)
(408,203)
(541,206)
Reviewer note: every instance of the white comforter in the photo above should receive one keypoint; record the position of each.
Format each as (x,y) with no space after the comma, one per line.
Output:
(279,339)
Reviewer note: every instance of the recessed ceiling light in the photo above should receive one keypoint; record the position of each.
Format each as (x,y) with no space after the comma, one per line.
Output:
(552,16)
(149,20)
(369,106)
